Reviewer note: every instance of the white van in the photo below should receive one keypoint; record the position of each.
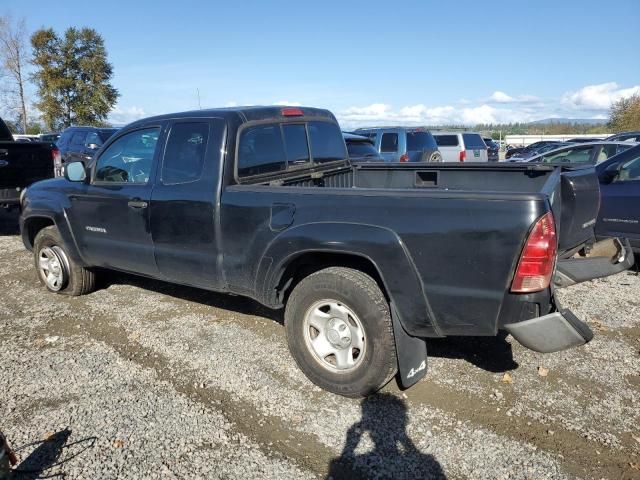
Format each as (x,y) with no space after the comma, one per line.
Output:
(461,147)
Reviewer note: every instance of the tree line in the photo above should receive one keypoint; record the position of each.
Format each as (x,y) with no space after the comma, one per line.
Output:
(70,72)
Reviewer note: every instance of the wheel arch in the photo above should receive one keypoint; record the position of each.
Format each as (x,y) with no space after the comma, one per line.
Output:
(374,250)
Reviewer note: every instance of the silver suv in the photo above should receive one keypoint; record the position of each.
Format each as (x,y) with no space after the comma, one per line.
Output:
(402,144)
(461,146)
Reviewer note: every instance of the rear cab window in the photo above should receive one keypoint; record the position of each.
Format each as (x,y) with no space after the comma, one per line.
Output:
(281,147)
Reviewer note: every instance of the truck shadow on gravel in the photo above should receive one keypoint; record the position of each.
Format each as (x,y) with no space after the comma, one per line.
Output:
(9,223)
(394,455)
(492,354)
(49,453)
(224,301)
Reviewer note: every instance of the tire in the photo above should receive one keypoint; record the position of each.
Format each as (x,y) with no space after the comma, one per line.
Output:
(61,274)
(365,358)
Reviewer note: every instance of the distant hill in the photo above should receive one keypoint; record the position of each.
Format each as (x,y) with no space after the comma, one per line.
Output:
(563,121)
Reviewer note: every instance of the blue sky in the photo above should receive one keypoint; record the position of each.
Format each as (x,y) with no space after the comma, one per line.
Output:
(369,62)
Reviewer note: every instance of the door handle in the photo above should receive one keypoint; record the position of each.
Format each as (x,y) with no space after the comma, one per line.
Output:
(137,203)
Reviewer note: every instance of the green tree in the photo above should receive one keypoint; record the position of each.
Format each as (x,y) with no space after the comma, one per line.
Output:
(625,114)
(73,77)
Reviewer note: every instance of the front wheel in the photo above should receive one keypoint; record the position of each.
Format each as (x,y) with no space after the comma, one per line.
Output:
(340,332)
(56,270)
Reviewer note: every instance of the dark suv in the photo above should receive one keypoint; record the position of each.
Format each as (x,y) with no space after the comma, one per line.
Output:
(80,143)
(401,144)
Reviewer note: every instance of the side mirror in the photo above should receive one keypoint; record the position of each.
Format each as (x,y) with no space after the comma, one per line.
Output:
(75,172)
(610,173)
(93,146)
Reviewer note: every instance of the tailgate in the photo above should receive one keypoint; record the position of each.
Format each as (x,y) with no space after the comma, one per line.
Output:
(22,164)
(577,210)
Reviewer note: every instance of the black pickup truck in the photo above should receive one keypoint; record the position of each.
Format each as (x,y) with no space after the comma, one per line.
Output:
(367,260)
(21,164)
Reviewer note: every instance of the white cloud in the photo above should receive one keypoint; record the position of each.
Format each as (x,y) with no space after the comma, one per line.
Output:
(501,97)
(287,103)
(381,114)
(597,97)
(123,115)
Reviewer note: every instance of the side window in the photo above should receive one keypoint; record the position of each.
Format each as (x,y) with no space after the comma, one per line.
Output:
(78,138)
(261,150)
(389,142)
(446,140)
(64,139)
(630,171)
(93,139)
(327,142)
(184,156)
(129,158)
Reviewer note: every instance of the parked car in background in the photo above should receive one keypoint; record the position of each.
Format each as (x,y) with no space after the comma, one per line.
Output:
(366,259)
(514,151)
(526,154)
(23,163)
(361,149)
(583,140)
(402,144)
(590,153)
(619,214)
(25,138)
(49,137)
(81,143)
(493,149)
(461,146)
(625,137)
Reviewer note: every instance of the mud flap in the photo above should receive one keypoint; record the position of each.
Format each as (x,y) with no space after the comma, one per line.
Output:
(411,352)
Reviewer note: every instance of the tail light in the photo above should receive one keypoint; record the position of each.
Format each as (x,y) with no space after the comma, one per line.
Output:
(463,155)
(538,257)
(404,157)
(57,161)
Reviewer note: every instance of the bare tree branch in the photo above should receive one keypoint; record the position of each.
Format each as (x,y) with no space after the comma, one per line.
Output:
(14,56)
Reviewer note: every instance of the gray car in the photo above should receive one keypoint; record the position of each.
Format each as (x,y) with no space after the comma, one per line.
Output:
(403,144)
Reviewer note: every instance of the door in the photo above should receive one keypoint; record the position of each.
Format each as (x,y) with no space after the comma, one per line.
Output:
(184,203)
(620,204)
(389,145)
(110,217)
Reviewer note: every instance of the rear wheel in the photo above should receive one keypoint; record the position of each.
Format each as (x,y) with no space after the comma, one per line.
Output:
(340,333)
(56,270)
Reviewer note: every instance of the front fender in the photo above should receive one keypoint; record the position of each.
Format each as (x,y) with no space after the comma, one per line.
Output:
(380,246)
(43,204)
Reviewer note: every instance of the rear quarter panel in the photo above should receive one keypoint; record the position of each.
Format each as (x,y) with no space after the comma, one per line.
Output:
(459,253)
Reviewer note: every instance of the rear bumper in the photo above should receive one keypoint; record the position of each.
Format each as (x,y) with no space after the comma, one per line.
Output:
(554,332)
(607,257)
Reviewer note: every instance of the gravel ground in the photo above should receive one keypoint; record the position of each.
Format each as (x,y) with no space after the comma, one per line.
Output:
(143,379)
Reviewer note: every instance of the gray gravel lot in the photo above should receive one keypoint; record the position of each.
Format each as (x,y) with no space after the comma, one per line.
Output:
(143,379)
